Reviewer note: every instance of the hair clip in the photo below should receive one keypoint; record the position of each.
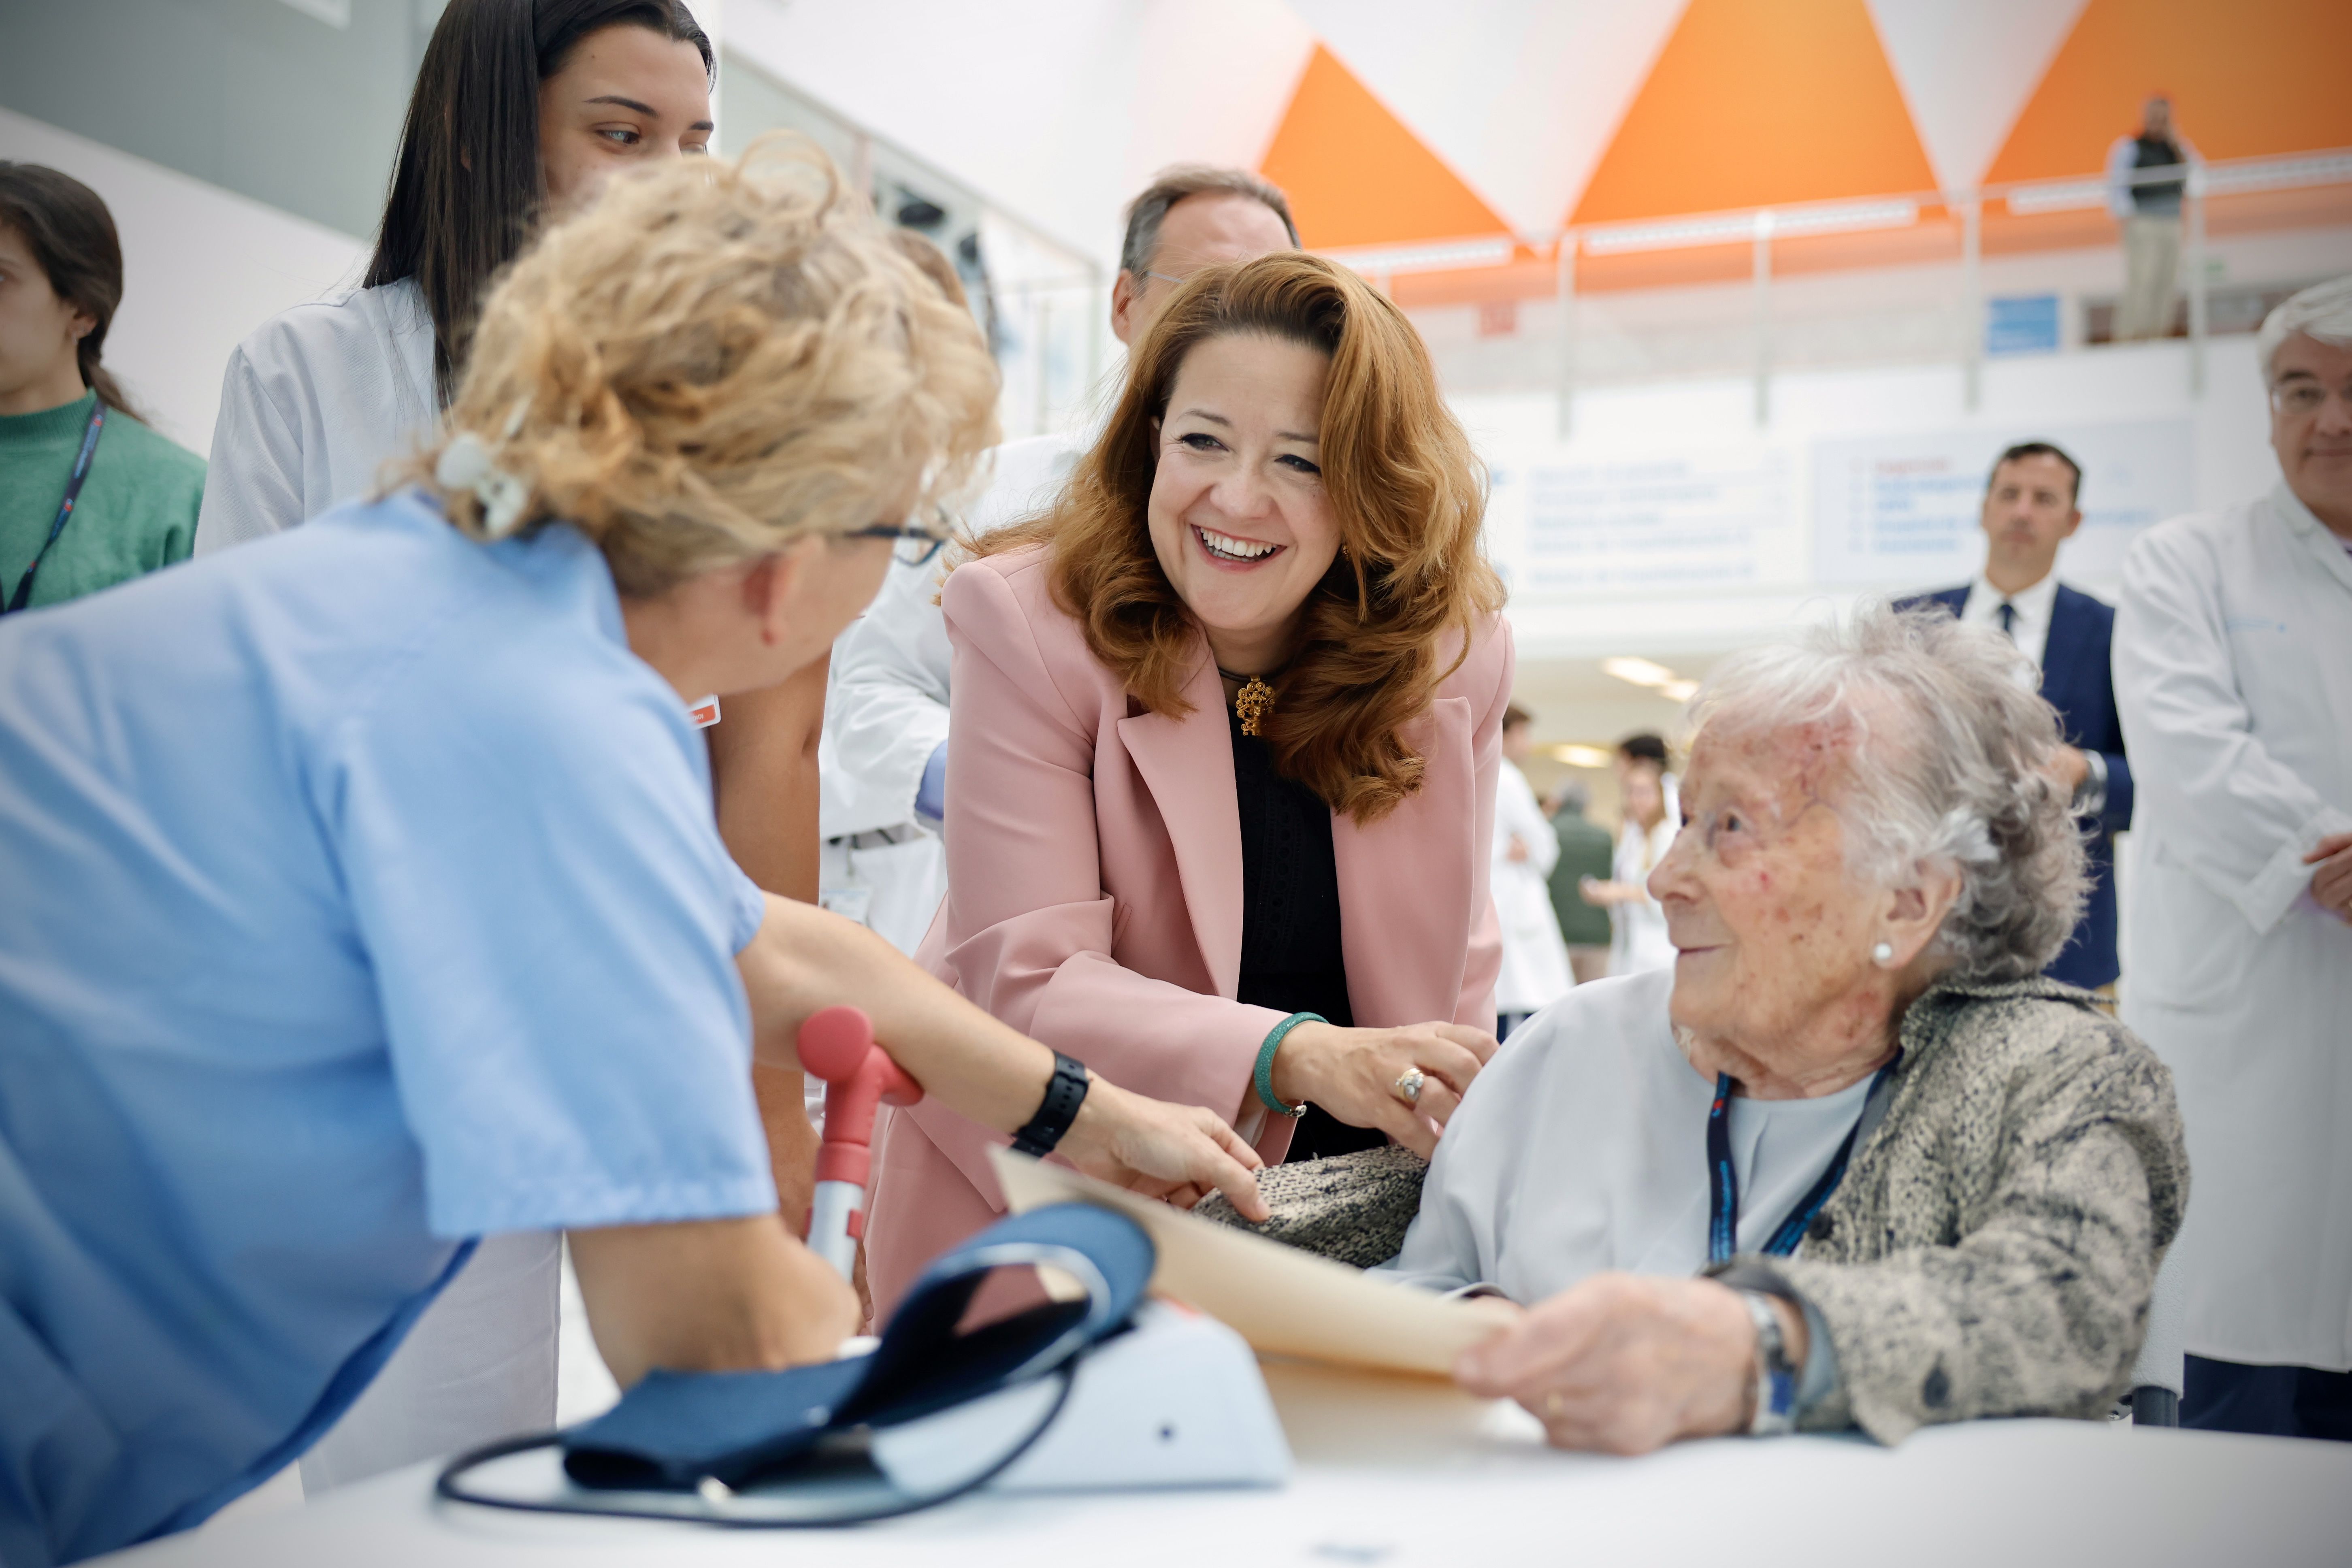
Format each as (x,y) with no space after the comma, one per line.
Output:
(465,464)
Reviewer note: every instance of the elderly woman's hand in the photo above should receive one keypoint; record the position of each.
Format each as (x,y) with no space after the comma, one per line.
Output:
(1626,1363)
(1353,1074)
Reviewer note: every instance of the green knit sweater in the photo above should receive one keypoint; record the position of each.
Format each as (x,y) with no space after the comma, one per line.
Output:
(136,511)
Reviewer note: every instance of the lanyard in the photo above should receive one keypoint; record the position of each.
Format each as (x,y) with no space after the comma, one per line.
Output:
(1723,1194)
(24,594)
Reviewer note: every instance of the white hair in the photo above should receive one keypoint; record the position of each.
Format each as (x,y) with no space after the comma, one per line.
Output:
(2323,312)
(1948,752)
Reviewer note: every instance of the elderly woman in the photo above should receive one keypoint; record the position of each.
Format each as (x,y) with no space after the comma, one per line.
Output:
(1916,1183)
(1227,727)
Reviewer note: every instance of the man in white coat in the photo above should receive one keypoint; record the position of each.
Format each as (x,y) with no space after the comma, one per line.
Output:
(883,755)
(1535,972)
(2233,677)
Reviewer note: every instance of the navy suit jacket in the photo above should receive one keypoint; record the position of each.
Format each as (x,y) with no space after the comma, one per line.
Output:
(2076,680)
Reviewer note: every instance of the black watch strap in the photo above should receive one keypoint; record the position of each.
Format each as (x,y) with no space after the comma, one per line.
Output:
(1063,1095)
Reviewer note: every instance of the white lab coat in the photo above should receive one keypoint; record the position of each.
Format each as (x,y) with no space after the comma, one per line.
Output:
(1638,941)
(885,710)
(2233,677)
(313,405)
(1535,957)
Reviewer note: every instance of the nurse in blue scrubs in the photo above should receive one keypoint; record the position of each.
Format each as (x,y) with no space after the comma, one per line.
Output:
(360,895)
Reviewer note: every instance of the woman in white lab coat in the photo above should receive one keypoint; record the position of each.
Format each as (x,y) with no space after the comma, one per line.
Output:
(520,106)
(2233,679)
(1639,941)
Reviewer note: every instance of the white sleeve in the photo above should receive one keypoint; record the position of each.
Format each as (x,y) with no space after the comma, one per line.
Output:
(2121,160)
(253,482)
(2249,819)
(886,708)
(1517,815)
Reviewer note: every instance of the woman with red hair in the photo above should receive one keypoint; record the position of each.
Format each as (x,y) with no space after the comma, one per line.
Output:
(1227,721)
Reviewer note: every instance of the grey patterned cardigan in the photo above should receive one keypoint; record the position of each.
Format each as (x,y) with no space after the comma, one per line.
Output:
(1993,1247)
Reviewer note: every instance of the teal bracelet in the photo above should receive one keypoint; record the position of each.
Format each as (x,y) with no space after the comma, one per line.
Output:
(1264,1077)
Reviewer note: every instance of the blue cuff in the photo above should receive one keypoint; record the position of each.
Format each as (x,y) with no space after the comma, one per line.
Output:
(931,794)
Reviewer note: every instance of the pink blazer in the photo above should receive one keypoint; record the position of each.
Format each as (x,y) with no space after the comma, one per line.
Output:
(1095,884)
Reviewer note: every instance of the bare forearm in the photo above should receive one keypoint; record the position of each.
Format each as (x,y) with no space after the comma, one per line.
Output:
(804,959)
(728,1295)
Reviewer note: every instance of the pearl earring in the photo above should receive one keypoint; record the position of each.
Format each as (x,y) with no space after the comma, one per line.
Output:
(1883,955)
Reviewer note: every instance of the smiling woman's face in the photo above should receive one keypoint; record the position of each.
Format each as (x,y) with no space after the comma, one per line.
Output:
(1239,517)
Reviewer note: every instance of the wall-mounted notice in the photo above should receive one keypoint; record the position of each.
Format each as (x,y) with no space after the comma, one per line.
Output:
(1903,511)
(1667,523)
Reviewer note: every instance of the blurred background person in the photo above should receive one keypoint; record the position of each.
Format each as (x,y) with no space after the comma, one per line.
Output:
(2033,504)
(1586,854)
(885,751)
(2234,674)
(1535,970)
(2146,177)
(90,496)
(1218,812)
(522,109)
(1638,942)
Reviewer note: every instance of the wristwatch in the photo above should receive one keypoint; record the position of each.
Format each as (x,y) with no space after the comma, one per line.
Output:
(1776,1378)
(1064,1094)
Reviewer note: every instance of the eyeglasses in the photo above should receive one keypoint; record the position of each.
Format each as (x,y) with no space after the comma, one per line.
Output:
(1165,278)
(2300,397)
(911,546)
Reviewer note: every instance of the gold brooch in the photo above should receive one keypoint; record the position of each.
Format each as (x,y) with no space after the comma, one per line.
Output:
(1253,702)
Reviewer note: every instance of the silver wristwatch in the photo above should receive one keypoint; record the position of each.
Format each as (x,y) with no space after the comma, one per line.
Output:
(1776,1378)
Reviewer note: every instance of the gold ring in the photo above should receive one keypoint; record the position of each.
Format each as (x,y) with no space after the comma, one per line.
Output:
(1408,1085)
(1554,1404)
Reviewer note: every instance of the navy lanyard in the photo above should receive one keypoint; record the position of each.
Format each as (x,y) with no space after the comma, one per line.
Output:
(24,594)
(1723,1195)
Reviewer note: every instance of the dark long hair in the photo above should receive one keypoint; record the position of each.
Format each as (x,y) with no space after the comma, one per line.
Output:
(465,188)
(72,238)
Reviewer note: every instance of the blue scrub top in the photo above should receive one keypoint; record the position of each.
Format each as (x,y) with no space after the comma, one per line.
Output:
(359,894)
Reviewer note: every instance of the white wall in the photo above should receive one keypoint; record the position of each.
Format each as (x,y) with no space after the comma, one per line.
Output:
(1714,420)
(202,267)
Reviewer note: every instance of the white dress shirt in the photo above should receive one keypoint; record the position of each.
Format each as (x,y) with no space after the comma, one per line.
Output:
(2233,679)
(2030,624)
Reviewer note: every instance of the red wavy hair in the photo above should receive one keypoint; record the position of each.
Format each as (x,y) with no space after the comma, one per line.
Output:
(1405,490)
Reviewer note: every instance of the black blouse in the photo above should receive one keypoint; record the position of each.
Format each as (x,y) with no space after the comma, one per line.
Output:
(1291,957)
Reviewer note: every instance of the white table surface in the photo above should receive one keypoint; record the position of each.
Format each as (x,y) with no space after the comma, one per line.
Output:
(1397,1471)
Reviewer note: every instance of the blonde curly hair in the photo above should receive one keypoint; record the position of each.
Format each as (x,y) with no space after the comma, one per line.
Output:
(714,359)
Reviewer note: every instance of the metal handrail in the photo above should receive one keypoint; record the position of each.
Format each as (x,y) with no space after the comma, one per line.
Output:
(1759,226)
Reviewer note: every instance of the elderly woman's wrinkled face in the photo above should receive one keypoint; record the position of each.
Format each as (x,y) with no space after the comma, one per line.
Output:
(1773,930)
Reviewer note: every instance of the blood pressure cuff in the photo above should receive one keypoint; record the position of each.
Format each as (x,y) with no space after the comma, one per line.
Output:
(673,1429)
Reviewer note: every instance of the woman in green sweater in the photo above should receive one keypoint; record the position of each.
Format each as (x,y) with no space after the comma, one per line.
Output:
(90,496)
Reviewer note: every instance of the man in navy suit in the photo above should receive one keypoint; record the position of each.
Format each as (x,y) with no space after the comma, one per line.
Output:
(2030,509)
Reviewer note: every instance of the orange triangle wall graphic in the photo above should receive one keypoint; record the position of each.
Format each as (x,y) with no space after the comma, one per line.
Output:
(1760,101)
(2247,79)
(1356,176)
